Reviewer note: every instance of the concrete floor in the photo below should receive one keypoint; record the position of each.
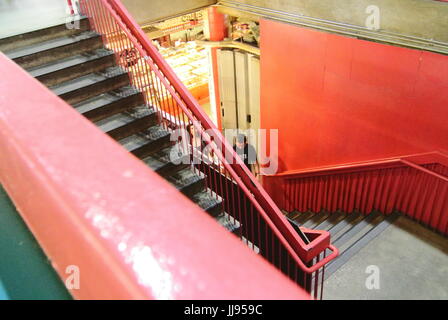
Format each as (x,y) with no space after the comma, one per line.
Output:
(412,263)
(19,16)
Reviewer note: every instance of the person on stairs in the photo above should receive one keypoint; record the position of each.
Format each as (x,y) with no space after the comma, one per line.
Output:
(247,153)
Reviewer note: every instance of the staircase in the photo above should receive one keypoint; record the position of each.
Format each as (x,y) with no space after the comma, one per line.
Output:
(350,232)
(111,74)
(74,64)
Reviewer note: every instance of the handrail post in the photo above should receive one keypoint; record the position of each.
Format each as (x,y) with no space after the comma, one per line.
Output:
(70,5)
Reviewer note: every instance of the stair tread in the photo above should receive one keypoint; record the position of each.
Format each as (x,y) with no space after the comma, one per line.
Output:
(154,162)
(160,159)
(303,217)
(315,220)
(293,214)
(154,133)
(87,80)
(226,222)
(140,139)
(207,202)
(104,99)
(184,178)
(331,221)
(121,119)
(368,222)
(49,44)
(51,32)
(350,249)
(133,142)
(68,62)
(348,222)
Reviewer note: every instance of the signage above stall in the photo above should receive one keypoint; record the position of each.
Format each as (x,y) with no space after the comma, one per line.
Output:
(181,23)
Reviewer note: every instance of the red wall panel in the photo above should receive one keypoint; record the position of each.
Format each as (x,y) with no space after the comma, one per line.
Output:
(336,99)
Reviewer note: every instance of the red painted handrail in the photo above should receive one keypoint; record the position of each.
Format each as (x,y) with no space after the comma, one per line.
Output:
(409,160)
(411,179)
(423,169)
(415,185)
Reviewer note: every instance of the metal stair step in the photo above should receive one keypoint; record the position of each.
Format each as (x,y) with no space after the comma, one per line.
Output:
(367,222)
(187,182)
(224,220)
(293,214)
(53,50)
(104,99)
(303,217)
(331,221)
(147,142)
(89,86)
(315,220)
(30,38)
(343,225)
(117,120)
(72,68)
(165,164)
(350,250)
(115,107)
(126,126)
(208,203)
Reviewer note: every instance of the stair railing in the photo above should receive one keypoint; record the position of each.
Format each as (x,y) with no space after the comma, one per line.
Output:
(43,180)
(299,255)
(416,185)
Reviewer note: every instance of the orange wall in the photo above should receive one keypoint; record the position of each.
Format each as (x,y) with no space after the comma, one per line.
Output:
(336,99)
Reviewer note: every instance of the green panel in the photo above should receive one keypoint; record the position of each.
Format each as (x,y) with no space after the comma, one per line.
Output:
(3,293)
(25,272)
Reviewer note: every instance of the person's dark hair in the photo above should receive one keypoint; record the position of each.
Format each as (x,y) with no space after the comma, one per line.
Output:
(241,138)
(189,127)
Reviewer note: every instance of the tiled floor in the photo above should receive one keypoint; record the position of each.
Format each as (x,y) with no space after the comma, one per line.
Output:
(19,16)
